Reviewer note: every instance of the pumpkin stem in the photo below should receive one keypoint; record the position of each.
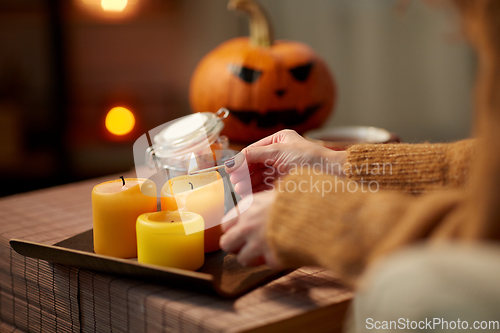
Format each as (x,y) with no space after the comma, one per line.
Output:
(261,32)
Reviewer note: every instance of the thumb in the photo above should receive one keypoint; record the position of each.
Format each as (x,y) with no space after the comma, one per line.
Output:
(234,162)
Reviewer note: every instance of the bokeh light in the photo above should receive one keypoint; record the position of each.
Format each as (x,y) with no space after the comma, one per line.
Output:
(113,5)
(120,121)
(111,10)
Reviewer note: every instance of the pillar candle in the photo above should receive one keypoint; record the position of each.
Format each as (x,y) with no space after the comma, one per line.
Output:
(171,239)
(203,194)
(115,208)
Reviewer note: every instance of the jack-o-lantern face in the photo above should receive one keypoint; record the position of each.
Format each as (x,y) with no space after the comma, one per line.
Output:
(285,85)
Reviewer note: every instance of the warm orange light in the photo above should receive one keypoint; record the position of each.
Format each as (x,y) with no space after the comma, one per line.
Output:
(116,10)
(113,5)
(120,121)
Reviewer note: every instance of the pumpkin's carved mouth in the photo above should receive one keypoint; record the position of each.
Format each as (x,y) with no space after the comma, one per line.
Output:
(273,118)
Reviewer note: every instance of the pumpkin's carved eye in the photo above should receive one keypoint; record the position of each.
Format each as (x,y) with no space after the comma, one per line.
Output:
(301,73)
(248,75)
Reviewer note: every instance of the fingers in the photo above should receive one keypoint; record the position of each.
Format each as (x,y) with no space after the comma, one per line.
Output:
(253,157)
(244,180)
(278,137)
(239,175)
(232,241)
(256,179)
(262,153)
(271,260)
(243,187)
(266,155)
(229,224)
(234,163)
(245,234)
(251,255)
(268,140)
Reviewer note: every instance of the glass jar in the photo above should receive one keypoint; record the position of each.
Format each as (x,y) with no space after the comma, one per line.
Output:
(171,147)
(198,134)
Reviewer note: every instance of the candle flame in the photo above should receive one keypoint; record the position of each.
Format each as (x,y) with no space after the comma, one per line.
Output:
(193,164)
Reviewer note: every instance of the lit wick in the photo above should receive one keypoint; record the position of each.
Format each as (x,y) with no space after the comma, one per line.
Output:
(191,186)
(123,180)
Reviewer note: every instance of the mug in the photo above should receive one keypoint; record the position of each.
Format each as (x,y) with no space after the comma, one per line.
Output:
(341,138)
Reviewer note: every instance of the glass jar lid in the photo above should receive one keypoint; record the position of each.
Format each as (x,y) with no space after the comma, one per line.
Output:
(190,133)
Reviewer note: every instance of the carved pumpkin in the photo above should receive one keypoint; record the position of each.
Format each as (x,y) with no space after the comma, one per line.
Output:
(267,86)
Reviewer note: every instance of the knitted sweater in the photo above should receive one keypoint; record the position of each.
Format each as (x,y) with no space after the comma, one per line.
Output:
(348,229)
(344,223)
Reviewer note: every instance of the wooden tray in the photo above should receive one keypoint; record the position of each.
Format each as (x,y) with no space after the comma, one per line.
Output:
(221,274)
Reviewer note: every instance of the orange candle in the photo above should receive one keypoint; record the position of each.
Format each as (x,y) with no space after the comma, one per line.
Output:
(202,194)
(116,205)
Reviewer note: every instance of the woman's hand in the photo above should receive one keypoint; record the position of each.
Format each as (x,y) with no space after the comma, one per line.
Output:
(275,156)
(245,235)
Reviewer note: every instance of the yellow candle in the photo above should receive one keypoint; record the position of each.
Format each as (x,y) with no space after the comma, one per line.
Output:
(202,194)
(171,239)
(115,208)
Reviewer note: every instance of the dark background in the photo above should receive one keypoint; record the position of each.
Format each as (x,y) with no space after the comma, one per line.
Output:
(64,64)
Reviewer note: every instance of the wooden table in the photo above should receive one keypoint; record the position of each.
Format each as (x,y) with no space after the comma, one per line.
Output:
(37,296)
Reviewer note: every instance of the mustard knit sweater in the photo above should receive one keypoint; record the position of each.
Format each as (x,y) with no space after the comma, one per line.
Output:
(458,183)
(343,223)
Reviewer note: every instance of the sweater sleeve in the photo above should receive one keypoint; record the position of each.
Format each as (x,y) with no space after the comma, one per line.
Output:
(334,223)
(411,168)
